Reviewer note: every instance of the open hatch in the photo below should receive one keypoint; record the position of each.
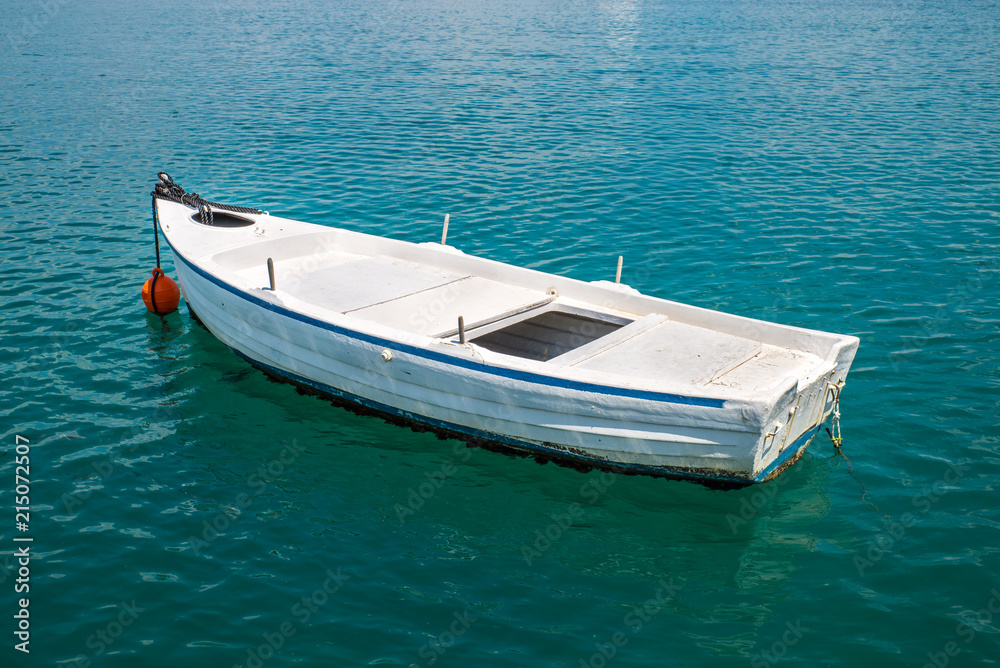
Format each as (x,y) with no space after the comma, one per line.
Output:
(549,334)
(222,219)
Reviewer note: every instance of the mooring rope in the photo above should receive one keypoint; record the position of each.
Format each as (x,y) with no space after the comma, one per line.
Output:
(168,190)
(156,233)
(838,441)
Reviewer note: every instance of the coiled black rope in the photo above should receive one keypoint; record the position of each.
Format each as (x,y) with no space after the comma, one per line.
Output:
(168,190)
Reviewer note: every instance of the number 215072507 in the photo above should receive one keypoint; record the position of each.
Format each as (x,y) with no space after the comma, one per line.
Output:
(23,483)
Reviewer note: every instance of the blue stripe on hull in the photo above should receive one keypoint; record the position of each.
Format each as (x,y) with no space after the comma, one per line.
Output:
(790,454)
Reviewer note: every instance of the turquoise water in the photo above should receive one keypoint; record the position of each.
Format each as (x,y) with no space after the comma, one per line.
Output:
(830,165)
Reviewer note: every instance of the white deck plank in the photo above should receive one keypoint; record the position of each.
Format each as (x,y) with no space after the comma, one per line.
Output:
(674,351)
(436,310)
(596,347)
(366,282)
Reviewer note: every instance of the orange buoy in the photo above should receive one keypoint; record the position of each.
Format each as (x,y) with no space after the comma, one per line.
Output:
(160,293)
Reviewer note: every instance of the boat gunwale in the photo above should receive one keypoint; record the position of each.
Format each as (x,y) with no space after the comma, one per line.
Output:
(393,248)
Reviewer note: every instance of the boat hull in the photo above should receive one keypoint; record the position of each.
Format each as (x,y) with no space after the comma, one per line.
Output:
(714,441)
(542,452)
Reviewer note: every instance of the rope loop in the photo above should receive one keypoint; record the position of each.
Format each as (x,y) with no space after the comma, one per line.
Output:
(206,213)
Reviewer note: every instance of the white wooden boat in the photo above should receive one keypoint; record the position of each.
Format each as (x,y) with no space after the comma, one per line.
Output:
(589,374)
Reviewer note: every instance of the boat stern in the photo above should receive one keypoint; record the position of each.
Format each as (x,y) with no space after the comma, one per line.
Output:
(801,408)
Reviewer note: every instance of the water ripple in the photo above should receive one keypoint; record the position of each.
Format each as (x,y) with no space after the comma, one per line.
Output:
(830,166)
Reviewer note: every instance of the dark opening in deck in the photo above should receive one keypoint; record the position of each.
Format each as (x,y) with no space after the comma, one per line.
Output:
(547,335)
(223,219)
